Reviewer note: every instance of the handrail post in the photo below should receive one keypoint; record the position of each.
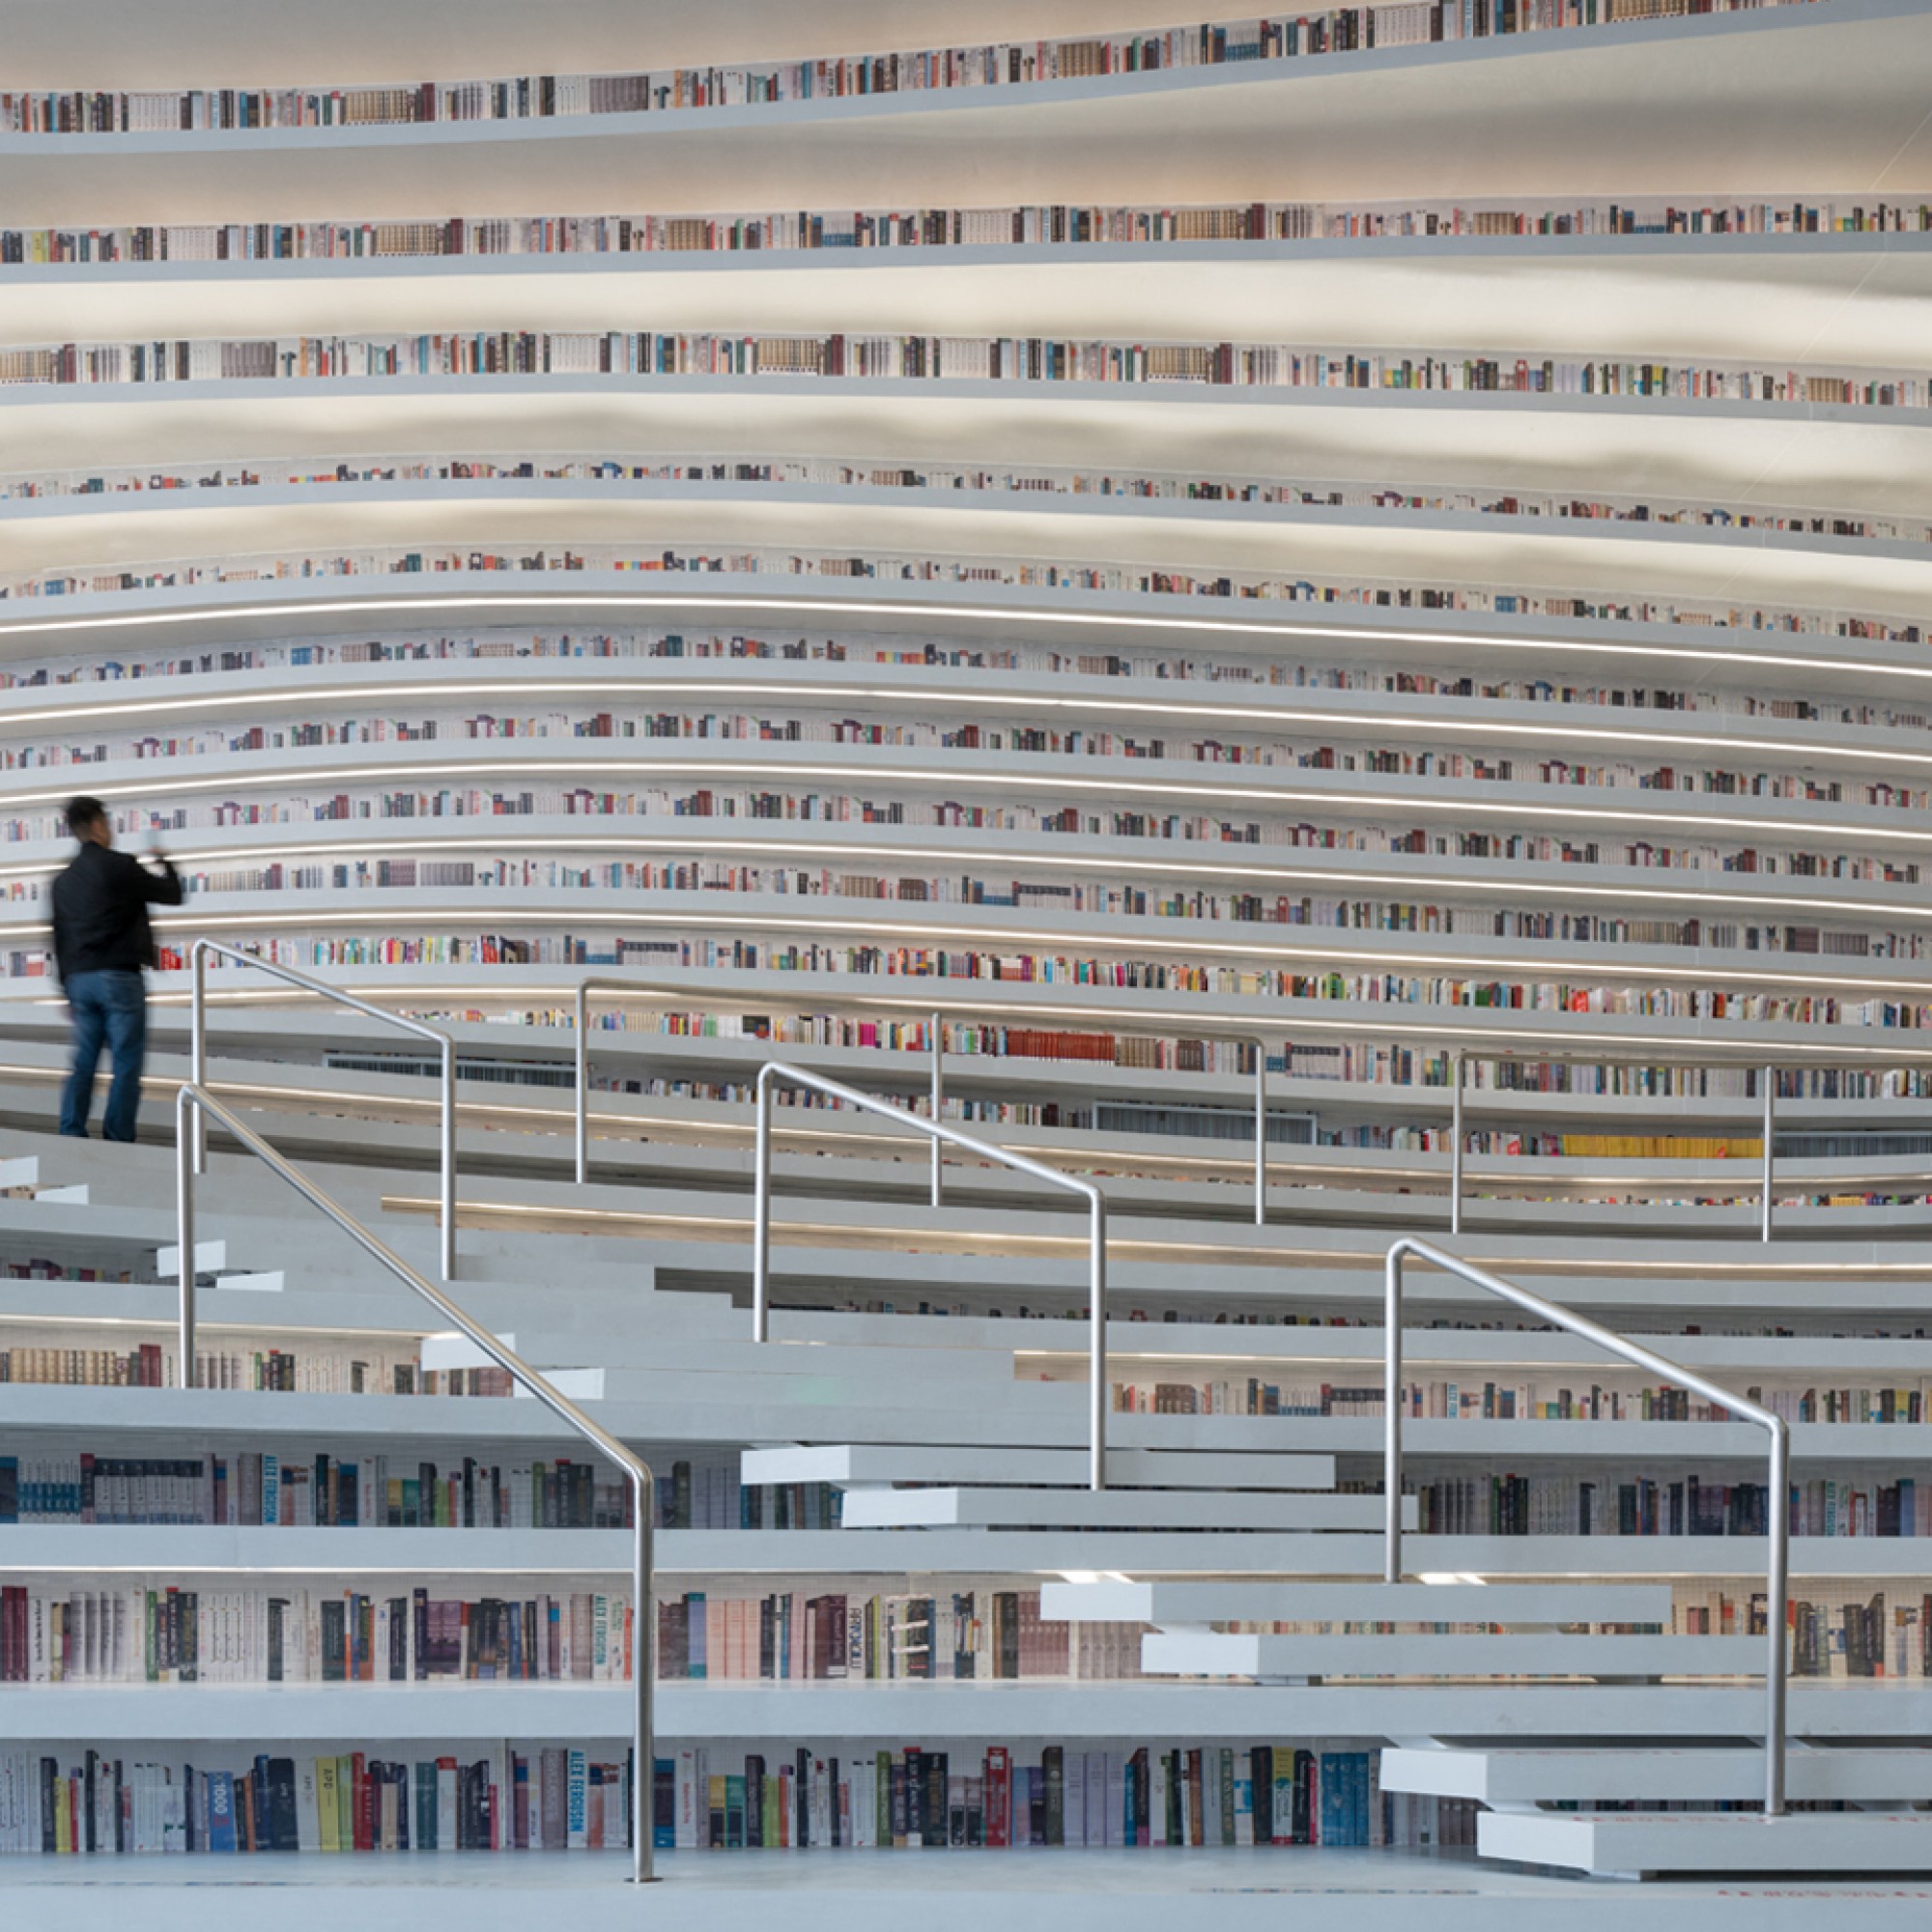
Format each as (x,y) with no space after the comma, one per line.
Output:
(643,1675)
(761,1210)
(580,1125)
(1099,1396)
(1770,1078)
(197,1054)
(938,1105)
(1455,1138)
(1261,1133)
(1777,1586)
(1392,1415)
(186,1120)
(447,1151)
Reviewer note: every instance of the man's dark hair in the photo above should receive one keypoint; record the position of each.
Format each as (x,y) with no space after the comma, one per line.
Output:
(81,813)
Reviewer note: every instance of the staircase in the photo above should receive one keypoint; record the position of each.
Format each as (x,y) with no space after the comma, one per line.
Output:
(1233,1542)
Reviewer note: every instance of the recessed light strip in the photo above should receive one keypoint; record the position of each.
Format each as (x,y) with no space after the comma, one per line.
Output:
(981,614)
(829,692)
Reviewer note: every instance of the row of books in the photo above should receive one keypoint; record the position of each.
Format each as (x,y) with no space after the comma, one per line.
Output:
(1330,1063)
(319,1490)
(1569,1505)
(1152,1794)
(1037,480)
(567,1798)
(977,1633)
(930,963)
(1033,225)
(980,358)
(1480,1398)
(1009,62)
(927,964)
(819,725)
(1448,597)
(177,1635)
(502,879)
(264,1370)
(505,647)
(1207,1121)
(224,810)
(100,1803)
(816,726)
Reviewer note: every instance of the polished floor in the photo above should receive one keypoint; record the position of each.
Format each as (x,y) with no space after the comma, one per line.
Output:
(1079,1891)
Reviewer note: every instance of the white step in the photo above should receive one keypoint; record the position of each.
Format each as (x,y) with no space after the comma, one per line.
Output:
(1521,1654)
(1633,1843)
(1106,1509)
(1894,1774)
(829,1374)
(859,1466)
(210,1258)
(22,1170)
(1356,1602)
(270,1281)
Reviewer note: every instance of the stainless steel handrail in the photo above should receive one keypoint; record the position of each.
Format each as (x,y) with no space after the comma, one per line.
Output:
(199,956)
(192,1102)
(1777,1560)
(606,982)
(774,1071)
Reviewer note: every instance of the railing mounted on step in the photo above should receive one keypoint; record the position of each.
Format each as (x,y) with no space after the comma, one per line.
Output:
(1777,1527)
(611,984)
(776,1072)
(205,948)
(193,1103)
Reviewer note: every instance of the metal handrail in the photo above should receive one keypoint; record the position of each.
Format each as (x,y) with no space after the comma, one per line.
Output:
(606,982)
(193,1102)
(1777,1560)
(199,956)
(774,1071)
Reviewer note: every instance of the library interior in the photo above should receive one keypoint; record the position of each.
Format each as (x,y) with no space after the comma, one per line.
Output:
(1254,1312)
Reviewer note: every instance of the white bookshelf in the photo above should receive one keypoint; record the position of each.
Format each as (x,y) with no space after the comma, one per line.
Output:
(1513,290)
(654,1251)
(938,1712)
(1800,566)
(1351,119)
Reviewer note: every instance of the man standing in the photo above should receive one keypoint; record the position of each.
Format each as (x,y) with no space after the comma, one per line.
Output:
(101,942)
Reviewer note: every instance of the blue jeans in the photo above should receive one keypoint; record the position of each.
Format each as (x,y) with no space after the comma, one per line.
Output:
(110,1007)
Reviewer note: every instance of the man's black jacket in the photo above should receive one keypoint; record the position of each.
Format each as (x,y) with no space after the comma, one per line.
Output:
(100,912)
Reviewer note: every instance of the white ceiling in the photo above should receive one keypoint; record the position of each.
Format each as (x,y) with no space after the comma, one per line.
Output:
(1877,463)
(1568,558)
(1850,306)
(1827,100)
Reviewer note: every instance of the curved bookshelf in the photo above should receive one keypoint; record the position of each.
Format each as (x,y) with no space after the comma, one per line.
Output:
(404,478)
(1187,55)
(1568,721)
(1810,558)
